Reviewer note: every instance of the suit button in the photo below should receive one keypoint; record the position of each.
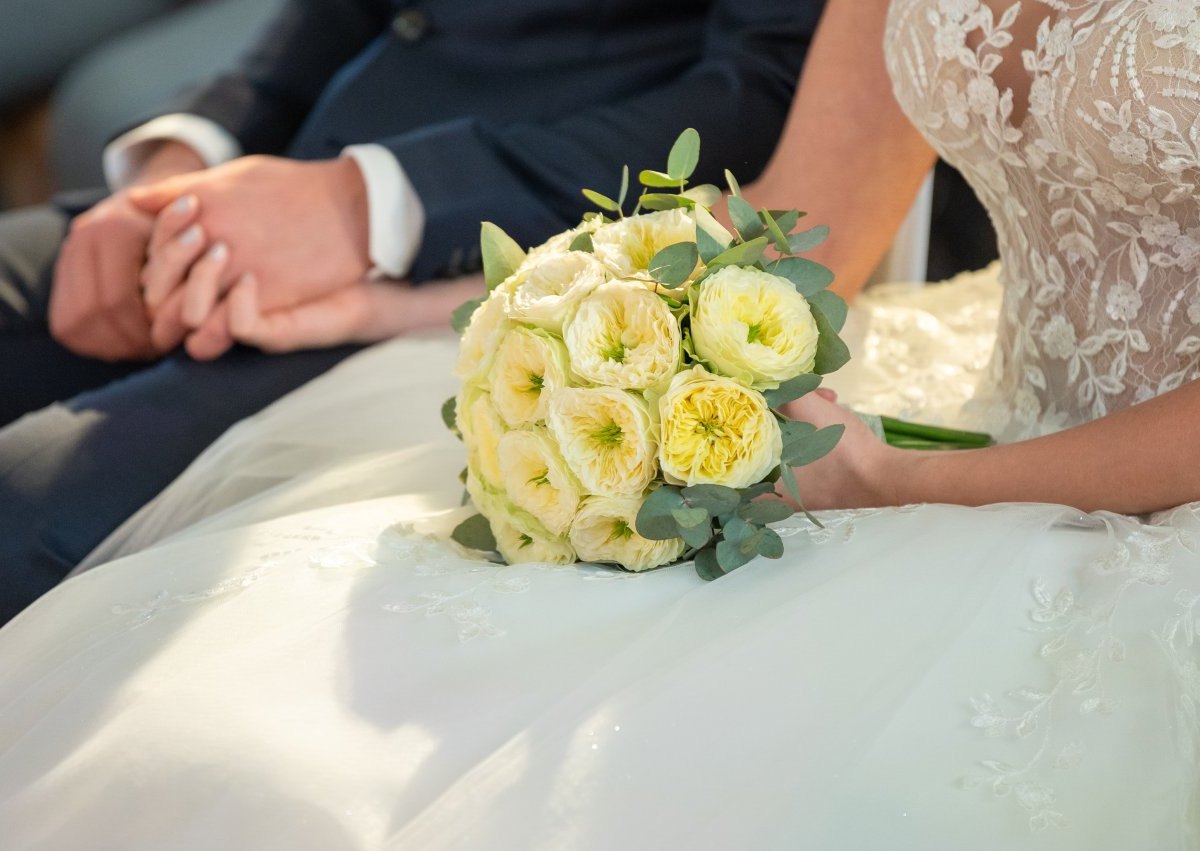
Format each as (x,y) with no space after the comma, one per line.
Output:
(410,25)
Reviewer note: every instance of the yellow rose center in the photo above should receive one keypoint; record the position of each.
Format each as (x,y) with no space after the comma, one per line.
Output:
(620,532)
(536,383)
(610,435)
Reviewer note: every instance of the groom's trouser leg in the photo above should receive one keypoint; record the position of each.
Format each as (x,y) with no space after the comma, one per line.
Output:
(73,471)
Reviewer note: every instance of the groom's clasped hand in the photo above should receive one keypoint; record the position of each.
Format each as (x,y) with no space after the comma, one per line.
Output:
(264,251)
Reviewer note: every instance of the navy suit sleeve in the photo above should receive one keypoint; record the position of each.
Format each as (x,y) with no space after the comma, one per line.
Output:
(526,177)
(266,99)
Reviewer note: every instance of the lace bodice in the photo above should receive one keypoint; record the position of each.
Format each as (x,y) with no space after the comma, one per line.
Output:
(1077,122)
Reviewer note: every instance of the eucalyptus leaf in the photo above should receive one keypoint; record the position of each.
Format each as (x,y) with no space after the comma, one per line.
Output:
(736,530)
(673,265)
(705,195)
(658,180)
(755,491)
(475,533)
(461,317)
(715,499)
(663,201)
(731,556)
(742,254)
(708,246)
(786,219)
(806,276)
(685,155)
(624,193)
(832,353)
(833,306)
(809,239)
(777,235)
(792,389)
(765,511)
(696,536)
(500,252)
(788,476)
(654,520)
(450,415)
(582,242)
(770,545)
(601,201)
(689,517)
(747,222)
(707,566)
(734,186)
(814,447)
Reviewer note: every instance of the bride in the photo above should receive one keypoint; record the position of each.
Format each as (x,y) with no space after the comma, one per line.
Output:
(284,652)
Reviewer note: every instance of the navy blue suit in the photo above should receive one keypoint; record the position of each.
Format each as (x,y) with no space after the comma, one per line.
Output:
(496,110)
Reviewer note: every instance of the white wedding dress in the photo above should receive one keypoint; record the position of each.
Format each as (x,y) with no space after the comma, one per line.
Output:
(283,651)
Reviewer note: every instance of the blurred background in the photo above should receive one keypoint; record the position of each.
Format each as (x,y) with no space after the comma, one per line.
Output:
(76,73)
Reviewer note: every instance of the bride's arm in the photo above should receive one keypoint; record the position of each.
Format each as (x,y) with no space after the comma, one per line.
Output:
(1145,458)
(848,156)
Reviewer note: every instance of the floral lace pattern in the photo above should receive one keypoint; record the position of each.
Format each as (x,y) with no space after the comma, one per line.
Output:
(1087,158)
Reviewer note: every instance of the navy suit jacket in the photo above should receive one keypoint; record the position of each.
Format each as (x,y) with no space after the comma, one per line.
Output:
(502,109)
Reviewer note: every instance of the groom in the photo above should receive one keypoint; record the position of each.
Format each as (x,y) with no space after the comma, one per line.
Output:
(394,129)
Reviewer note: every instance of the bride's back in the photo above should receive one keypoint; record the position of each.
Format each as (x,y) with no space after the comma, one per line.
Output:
(1076,121)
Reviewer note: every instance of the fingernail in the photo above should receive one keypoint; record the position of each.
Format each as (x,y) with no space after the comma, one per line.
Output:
(191,236)
(218,252)
(184,203)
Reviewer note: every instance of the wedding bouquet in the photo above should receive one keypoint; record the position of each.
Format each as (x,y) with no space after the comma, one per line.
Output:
(622,382)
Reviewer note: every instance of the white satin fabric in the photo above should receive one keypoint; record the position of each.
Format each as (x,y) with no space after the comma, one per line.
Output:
(293,657)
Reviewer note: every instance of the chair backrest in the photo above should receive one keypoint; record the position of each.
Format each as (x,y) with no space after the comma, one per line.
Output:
(908,258)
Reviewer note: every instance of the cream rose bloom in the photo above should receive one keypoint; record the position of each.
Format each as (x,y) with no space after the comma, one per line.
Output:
(628,245)
(519,537)
(607,436)
(561,242)
(623,335)
(529,365)
(489,325)
(715,431)
(481,428)
(605,531)
(753,326)
(537,479)
(546,290)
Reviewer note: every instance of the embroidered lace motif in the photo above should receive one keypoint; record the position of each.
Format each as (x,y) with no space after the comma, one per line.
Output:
(1089,173)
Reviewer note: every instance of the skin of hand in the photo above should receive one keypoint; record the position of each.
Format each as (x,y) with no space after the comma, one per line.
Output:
(299,228)
(96,306)
(849,152)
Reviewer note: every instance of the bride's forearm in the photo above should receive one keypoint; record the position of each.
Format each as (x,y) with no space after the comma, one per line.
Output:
(1141,459)
(848,155)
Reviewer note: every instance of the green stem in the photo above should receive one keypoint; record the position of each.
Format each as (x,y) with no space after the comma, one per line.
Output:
(894,428)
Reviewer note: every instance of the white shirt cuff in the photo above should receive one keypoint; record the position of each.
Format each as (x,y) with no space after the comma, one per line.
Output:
(395,212)
(126,154)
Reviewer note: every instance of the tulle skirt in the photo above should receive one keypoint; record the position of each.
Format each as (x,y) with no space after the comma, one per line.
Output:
(284,651)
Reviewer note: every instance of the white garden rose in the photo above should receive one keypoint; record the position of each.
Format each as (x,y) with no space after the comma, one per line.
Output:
(628,245)
(519,537)
(529,365)
(561,242)
(605,531)
(716,431)
(546,290)
(489,324)
(624,335)
(481,428)
(537,479)
(607,436)
(753,326)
